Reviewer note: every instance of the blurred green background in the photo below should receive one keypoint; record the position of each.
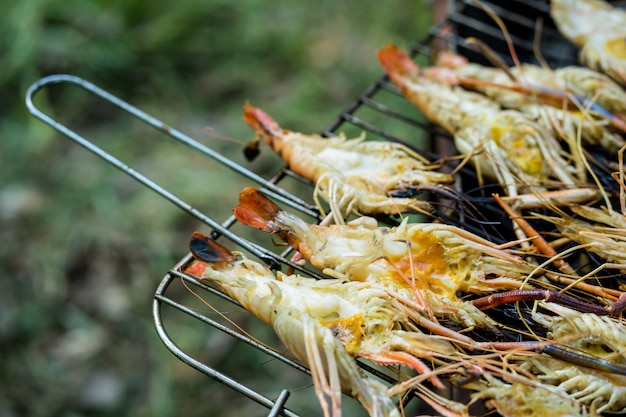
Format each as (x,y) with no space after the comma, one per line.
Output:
(82,246)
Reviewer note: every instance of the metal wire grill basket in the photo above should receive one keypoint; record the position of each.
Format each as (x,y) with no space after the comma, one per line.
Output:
(383,114)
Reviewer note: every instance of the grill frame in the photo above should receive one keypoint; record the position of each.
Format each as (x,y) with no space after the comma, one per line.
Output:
(463,19)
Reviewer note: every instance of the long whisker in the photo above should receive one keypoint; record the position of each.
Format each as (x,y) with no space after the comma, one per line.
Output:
(224,316)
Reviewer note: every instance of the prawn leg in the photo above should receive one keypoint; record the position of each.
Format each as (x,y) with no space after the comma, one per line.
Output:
(538,240)
(553,198)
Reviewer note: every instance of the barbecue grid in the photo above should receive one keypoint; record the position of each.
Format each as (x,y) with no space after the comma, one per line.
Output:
(383,114)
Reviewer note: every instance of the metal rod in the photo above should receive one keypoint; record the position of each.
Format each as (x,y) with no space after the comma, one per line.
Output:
(187,359)
(280,402)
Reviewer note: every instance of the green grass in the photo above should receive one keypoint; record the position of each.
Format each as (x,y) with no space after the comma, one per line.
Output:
(83,246)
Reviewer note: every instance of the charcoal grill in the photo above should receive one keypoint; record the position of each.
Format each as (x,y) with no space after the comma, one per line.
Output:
(383,114)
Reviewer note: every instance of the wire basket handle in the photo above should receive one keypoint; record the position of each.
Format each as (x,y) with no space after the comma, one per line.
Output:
(220,229)
(276,406)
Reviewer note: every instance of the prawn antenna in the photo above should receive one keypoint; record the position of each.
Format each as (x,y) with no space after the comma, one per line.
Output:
(491,55)
(502,27)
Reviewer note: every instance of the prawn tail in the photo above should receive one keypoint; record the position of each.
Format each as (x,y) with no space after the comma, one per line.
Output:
(209,251)
(397,64)
(264,126)
(256,210)
(259,121)
(448,59)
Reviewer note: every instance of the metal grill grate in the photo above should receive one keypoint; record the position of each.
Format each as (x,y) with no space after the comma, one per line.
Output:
(382,113)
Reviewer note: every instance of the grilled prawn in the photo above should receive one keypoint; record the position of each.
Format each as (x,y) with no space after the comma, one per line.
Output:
(354,176)
(525,398)
(601,391)
(604,338)
(600,231)
(549,86)
(427,263)
(556,98)
(423,262)
(599,29)
(507,145)
(325,324)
